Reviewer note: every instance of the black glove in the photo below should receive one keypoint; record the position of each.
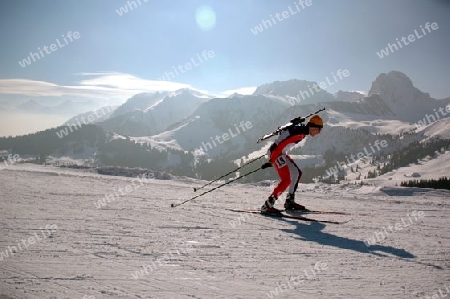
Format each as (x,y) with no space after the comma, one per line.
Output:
(266,165)
(297,120)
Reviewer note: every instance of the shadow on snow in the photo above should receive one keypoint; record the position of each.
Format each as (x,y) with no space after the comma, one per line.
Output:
(312,232)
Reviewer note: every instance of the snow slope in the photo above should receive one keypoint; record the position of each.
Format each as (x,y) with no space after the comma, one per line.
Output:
(201,250)
(430,168)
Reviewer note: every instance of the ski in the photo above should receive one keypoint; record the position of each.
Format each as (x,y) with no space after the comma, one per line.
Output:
(293,122)
(298,217)
(317,212)
(303,212)
(283,215)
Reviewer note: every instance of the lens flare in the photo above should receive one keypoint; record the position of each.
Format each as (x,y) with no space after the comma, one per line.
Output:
(205,17)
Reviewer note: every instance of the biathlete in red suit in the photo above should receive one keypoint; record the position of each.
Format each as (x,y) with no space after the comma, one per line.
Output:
(288,171)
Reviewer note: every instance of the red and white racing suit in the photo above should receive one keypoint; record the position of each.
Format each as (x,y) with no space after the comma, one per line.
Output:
(288,171)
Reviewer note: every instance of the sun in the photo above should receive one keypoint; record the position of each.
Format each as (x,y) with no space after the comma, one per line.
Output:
(205,17)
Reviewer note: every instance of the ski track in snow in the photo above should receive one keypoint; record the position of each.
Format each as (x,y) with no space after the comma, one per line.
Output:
(95,252)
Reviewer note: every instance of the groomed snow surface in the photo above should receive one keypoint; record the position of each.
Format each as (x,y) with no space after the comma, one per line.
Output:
(136,246)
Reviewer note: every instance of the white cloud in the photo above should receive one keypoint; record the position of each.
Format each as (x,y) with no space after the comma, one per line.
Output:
(102,85)
(130,82)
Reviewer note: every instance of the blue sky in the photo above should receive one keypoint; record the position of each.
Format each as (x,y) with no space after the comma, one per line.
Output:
(120,55)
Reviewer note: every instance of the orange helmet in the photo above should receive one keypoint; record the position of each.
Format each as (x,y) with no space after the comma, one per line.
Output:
(316,121)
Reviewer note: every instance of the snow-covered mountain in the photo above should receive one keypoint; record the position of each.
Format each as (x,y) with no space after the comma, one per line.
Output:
(98,115)
(226,129)
(149,114)
(351,125)
(348,96)
(295,92)
(222,116)
(32,106)
(140,102)
(392,97)
(407,102)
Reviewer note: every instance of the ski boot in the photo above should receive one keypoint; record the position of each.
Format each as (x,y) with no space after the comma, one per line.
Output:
(267,208)
(291,205)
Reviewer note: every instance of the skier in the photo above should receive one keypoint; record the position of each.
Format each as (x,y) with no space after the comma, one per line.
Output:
(288,171)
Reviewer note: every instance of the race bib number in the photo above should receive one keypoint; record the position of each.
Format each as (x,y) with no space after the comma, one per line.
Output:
(281,162)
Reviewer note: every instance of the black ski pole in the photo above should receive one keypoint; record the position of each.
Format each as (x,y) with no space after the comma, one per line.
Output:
(249,162)
(215,188)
